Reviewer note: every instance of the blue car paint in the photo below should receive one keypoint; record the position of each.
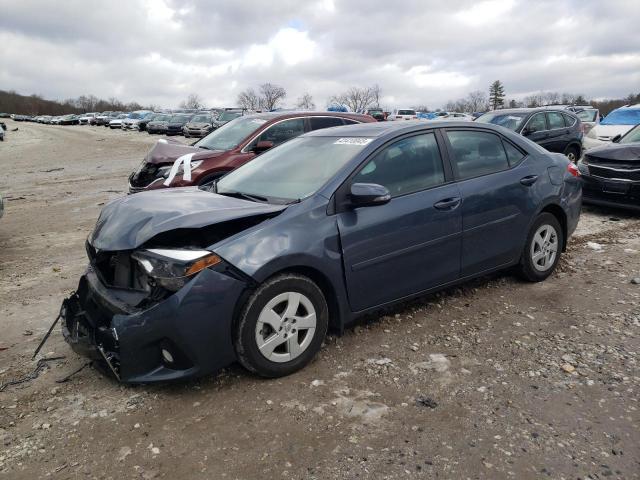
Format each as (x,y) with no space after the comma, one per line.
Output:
(365,257)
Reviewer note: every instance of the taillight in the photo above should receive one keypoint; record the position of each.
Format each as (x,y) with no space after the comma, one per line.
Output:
(573,170)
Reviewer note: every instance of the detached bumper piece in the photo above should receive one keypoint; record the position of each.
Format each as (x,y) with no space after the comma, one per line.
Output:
(185,335)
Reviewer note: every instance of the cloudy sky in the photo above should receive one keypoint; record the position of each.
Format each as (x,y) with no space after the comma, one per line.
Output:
(418,51)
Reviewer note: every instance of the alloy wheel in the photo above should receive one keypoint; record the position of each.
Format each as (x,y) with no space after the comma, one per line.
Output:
(285,327)
(544,248)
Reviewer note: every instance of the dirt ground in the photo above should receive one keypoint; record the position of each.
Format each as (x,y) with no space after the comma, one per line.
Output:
(495,379)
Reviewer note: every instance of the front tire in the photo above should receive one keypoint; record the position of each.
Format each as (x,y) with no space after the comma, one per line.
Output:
(282,326)
(542,249)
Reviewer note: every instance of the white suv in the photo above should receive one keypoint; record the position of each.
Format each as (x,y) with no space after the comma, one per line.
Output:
(403,114)
(618,122)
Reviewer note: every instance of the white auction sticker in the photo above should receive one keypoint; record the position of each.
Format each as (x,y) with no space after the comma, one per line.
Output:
(353,141)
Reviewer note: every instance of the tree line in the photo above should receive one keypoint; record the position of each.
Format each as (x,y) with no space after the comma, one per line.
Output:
(479,101)
(269,96)
(13,102)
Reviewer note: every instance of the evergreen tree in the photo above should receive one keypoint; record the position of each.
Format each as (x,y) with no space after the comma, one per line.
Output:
(496,95)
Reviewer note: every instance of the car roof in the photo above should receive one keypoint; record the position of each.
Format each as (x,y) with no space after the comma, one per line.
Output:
(380,129)
(269,116)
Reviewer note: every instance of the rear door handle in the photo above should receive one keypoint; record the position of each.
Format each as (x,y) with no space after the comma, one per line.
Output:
(529,180)
(447,203)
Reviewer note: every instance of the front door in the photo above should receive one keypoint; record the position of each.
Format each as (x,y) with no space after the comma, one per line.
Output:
(411,243)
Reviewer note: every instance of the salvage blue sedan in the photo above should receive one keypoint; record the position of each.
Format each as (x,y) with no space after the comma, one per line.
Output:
(309,236)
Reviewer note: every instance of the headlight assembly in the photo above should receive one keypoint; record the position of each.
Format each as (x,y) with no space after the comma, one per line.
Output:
(171,268)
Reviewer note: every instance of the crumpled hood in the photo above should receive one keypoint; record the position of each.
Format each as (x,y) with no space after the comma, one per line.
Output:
(167,150)
(614,151)
(128,222)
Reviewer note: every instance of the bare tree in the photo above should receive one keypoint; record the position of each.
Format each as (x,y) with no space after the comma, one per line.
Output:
(421,108)
(477,101)
(248,99)
(271,95)
(193,101)
(357,99)
(376,93)
(306,102)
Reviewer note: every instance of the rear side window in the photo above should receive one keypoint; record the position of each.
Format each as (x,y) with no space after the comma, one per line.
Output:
(283,131)
(477,153)
(514,154)
(555,120)
(324,122)
(569,121)
(348,121)
(406,166)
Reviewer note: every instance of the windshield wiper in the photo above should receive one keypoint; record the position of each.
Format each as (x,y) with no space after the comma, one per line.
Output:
(246,196)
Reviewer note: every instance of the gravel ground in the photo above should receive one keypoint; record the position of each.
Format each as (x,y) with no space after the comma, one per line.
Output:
(494,379)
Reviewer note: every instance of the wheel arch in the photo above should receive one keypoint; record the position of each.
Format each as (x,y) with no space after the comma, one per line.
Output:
(557,211)
(336,315)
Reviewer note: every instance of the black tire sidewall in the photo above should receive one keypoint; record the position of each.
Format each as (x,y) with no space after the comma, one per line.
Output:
(527,269)
(245,343)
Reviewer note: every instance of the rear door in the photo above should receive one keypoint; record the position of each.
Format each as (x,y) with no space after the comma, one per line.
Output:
(411,243)
(497,186)
(559,134)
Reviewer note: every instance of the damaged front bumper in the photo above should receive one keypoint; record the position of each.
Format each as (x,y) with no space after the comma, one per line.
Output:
(188,334)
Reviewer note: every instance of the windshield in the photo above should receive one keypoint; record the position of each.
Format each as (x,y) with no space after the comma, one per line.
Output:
(406,112)
(512,121)
(201,119)
(231,134)
(136,115)
(627,116)
(294,170)
(179,119)
(632,136)
(587,115)
(228,116)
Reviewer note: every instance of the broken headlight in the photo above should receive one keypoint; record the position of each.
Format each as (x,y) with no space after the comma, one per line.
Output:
(172,268)
(164,171)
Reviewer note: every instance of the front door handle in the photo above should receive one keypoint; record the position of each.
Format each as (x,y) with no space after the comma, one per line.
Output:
(529,180)
(448,203)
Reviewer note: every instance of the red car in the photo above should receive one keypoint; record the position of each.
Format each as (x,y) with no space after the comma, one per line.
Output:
(228,147)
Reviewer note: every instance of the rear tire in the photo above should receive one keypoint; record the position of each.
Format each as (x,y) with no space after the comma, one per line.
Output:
(542,249)
(572,153)
(282,326)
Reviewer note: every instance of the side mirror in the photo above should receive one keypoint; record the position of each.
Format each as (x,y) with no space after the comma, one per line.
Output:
(616,139)
(369,195)
(262,146)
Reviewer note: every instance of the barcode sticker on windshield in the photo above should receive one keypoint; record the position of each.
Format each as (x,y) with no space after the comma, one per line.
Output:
(353,141)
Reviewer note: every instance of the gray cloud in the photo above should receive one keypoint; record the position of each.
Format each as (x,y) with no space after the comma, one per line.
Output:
(418,51)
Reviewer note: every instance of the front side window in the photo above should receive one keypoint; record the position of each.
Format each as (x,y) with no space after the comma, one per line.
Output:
(555,120)
(477,153)
(406,166)
(536,124)
(283,131)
